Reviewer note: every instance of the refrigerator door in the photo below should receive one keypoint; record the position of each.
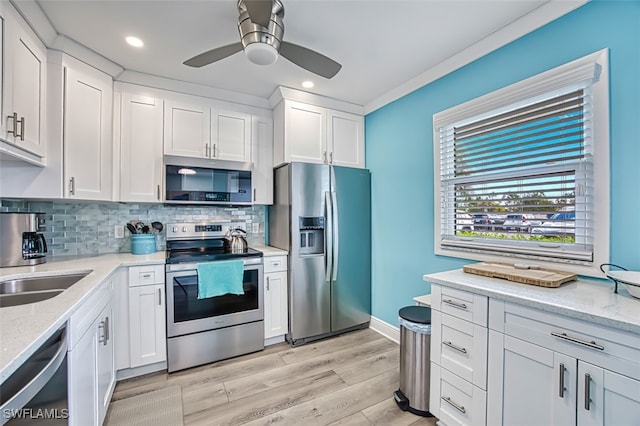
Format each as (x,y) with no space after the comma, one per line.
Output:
(309,288)
(351,286)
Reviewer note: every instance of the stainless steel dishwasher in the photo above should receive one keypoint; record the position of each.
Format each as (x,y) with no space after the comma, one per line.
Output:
(36,393)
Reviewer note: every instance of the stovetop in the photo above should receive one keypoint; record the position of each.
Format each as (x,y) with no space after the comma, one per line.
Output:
(207,255)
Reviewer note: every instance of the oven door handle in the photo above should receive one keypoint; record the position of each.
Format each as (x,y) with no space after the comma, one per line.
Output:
(35,385)
(178,267)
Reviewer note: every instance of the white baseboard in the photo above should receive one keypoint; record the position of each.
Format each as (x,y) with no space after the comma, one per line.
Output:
(387,330)
(129,373)
(273,340)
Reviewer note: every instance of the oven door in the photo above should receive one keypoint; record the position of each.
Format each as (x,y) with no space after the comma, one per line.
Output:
(187,314)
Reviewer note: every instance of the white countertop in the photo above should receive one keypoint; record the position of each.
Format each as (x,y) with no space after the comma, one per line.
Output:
(587,299)
(24,328)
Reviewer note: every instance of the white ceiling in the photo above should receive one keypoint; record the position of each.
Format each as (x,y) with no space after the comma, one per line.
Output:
(380,43)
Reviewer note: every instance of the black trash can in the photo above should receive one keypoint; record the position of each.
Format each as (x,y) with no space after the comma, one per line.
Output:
(415,351)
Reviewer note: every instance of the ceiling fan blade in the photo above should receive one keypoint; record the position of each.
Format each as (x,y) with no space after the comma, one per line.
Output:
(213,55)
(259,11)
(309,60)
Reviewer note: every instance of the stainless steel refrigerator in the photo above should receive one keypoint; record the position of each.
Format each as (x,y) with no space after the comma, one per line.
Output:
(322,216)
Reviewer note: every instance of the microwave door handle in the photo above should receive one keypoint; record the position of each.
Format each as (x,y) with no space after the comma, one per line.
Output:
(336,235)
(328,252)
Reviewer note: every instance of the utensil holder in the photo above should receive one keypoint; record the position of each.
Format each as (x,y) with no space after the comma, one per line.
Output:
(143,243)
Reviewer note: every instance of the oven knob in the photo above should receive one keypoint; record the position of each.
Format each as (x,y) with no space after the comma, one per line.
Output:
(184,229)
(174,229)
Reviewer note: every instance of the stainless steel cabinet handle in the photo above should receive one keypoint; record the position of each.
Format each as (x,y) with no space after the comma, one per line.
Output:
(21,129)
(254,194)
(13,117)
(146,276)
(454,304)
(103,339)
(72,186)
(158,192)
(325,157)
(587,391)
(267,283)
(455,347)
(206,150)
(159,297)
(331,158)
(106,330)
(453,404)
(276,263)
(561,387)
(592,344)
(214,151)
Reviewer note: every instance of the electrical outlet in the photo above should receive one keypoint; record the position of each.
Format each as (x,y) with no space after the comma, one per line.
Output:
(118,231)
(255,227)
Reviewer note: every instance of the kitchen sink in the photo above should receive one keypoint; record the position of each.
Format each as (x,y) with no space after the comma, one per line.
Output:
(36,289)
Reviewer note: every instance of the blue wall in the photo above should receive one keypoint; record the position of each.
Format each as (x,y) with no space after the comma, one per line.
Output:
(399,140)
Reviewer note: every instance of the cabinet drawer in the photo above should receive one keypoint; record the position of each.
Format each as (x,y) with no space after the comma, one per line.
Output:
(594,343)
(275,264)
(460,346)
(146,275)
(455,401)
(461,304)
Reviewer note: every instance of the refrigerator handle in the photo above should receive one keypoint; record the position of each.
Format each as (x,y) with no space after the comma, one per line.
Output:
(336,234)
(328,231)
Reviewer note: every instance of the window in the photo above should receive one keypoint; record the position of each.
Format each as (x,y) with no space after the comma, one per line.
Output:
(523,172)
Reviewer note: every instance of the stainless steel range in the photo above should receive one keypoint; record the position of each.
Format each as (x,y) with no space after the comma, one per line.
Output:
(205,330)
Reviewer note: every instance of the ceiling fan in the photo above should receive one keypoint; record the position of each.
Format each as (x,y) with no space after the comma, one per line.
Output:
(261,29)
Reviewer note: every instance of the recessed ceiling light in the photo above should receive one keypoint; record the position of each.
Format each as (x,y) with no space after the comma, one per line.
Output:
(307,84)
(134,41)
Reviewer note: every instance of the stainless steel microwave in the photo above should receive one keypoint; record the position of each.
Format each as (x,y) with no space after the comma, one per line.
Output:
(222,183)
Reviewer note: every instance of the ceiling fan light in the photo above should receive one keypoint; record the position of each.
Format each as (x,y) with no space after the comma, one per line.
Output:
(261,53)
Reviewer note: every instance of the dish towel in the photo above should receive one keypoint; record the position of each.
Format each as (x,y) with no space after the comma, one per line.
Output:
(219,278)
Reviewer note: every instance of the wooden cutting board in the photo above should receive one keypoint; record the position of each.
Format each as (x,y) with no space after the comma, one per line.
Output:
(539,277)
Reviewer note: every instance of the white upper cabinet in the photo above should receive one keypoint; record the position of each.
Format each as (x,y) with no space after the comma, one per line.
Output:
(262,160)
(314,134)
(195,128)
(24,73)
(231,136)
(87,118)
(186,129)
(140,140)
(345,137)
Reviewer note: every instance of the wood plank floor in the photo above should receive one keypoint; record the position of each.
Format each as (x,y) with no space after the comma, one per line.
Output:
(346,380)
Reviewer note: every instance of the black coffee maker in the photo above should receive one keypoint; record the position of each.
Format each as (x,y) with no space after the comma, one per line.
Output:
(22,240)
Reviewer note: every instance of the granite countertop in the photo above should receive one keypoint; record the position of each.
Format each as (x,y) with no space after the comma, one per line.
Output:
(24,328)
(587,299)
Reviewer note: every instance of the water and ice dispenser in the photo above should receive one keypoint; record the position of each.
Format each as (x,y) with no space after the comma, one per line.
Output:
(311,235)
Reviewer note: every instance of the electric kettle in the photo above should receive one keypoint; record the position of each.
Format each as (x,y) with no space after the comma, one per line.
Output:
(237,241)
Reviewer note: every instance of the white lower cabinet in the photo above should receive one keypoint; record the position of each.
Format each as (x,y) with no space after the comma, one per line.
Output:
(276,313)
(91,359)
(147,324)
(529,367)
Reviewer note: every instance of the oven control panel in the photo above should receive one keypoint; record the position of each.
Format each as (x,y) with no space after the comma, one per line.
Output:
(201,229)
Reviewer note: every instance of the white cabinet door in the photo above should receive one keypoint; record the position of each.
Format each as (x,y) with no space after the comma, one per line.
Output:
(105,367)
(230,136)
(88,97)
(275,304)
(345,134)
(538,385)
(606,398)
(141,127)
(262,159)
(147,338)
(187,129)
(305,137)
(83,383)
(24,73)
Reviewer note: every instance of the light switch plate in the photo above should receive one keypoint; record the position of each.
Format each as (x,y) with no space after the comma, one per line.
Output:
(255,227)
(118,231)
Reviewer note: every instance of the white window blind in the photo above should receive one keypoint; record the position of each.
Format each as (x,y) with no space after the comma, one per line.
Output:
(518,179)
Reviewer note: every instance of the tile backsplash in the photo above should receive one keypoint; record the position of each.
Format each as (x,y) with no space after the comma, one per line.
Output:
(87,228)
